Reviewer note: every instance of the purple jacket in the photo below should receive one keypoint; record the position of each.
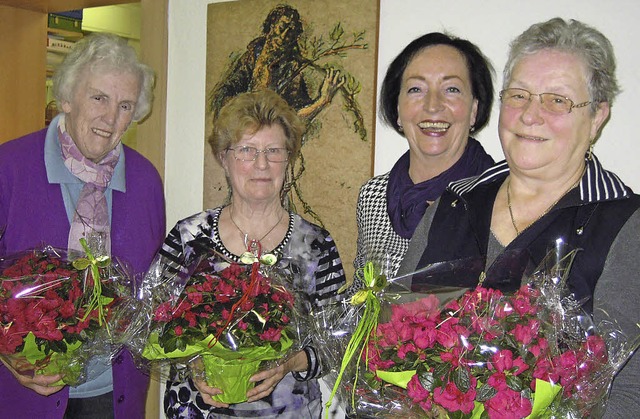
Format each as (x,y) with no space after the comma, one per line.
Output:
(33,212)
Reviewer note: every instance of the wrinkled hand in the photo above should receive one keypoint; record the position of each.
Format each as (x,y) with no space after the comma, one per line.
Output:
(330,85)
(269,379)
(41,384)
(208,392)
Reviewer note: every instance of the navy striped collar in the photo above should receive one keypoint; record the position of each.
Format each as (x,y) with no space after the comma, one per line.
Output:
(597,184)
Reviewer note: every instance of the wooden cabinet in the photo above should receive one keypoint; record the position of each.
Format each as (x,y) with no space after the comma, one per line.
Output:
(23,36)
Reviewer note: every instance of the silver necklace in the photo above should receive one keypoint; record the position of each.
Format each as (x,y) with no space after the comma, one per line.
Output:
(246,235)
(545,212)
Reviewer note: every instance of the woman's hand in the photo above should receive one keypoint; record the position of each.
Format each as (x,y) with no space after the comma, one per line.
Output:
(208,392)
(40,383)
(269,379)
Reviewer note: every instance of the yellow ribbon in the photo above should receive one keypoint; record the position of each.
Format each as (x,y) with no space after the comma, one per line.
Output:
(94,263)
(359,341)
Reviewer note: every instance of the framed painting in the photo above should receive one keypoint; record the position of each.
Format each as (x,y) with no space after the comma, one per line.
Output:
(321,57)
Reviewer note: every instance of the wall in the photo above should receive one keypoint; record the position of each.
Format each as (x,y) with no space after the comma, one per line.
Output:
(491,25)
(185,108)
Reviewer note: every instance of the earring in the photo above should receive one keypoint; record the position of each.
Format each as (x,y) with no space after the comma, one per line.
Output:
(400,128)
(590,152)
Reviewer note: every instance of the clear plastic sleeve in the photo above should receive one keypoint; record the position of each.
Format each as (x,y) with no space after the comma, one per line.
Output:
(447,352)
(57,315)
(218,320)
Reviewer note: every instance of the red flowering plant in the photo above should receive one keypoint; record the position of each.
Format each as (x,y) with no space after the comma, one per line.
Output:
(482,354)
(54,316)
(230,317)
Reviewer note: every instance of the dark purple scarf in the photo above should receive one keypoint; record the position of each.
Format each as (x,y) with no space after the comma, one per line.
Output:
(407,202)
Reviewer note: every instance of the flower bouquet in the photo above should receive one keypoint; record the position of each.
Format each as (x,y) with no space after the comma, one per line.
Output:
(480,354)
(228,318)
(55,313)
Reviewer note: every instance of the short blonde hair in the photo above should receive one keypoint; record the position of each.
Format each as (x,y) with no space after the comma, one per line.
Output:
(248,113)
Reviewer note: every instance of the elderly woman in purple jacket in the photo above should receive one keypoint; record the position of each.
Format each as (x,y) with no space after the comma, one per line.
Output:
(75,179)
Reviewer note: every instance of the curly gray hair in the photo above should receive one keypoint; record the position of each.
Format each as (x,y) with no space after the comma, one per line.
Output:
(103,52)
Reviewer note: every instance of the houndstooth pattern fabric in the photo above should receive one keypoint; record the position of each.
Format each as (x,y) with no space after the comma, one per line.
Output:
(377,240)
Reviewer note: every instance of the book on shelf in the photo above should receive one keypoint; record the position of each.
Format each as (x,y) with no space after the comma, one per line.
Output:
(59,45)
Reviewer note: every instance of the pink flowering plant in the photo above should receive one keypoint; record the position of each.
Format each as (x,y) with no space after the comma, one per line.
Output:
(53,315)
(480,354)
(231,318)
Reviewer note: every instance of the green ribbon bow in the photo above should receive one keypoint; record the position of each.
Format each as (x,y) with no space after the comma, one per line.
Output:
(97,301)
(360,339)
(248,258)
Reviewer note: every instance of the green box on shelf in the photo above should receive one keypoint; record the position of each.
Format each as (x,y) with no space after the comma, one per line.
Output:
(65,23)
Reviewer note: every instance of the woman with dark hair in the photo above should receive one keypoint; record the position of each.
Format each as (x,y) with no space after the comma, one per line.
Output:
(436,92)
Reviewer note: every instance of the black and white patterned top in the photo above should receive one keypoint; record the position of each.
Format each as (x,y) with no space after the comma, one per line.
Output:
(377,240)
(310,257)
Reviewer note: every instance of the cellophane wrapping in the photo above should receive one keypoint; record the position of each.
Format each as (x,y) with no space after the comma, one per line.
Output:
(460,353)
(60,316)
(218,320)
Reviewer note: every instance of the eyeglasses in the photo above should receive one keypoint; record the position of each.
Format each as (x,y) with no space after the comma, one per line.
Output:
(552,102)
(273,154)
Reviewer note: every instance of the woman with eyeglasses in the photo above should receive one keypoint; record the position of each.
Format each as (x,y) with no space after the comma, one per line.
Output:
(559,83)
(255,137)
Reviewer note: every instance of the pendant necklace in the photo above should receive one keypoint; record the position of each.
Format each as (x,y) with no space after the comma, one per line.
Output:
(513,220)
(246,235)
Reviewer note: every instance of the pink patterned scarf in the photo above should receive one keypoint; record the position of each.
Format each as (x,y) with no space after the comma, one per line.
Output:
(91,216)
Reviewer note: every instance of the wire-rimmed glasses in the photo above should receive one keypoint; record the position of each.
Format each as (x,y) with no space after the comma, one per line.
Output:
(273,154)
(552,102)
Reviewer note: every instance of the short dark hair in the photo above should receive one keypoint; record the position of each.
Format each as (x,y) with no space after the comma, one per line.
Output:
(480,73)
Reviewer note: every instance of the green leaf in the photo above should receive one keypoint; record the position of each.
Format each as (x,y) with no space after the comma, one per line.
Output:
(105,300)
(514,383)
(380,283)
(411,357)
(336,32)
(181,344)
(441,370)
(58,346)
(462,379)
(485,392)
(426,380)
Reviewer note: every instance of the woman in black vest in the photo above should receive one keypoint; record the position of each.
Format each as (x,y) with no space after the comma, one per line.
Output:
(559,83)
